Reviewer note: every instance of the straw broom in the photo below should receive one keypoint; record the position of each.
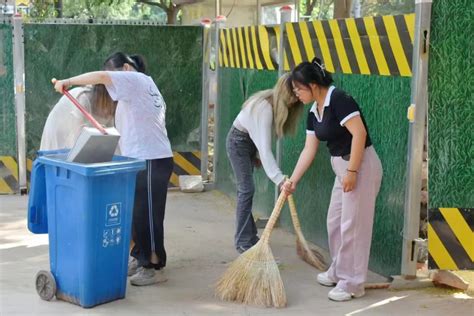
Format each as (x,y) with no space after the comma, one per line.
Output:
(312,257)
(253,278)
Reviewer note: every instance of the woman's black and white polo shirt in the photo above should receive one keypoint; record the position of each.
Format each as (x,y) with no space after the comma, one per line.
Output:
(338,108)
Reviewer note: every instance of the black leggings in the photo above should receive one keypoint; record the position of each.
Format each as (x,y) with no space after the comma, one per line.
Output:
(150,202)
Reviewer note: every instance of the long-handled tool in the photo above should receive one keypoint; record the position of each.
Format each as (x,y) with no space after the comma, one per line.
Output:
(309,255)
(82,109)
(92,146)
(253,278)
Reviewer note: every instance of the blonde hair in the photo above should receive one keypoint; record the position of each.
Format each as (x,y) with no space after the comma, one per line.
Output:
(102,104)
(286,107)
(102,107)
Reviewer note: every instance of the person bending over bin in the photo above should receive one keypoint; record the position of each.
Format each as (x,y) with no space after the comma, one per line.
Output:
(65,121)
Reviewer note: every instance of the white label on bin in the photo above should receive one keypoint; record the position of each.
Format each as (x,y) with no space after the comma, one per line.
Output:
(111,237)
(112,214)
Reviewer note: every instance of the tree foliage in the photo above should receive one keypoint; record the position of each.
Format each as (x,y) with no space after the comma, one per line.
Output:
(161,10)
(328,9)
(167,11)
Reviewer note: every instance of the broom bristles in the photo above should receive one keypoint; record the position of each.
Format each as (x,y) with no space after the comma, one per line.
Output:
(309,255)
(253,279)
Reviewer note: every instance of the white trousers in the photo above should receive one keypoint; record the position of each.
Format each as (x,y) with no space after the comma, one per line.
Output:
(349,222)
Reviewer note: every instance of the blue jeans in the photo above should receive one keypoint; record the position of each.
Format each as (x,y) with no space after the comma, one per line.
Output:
(242,152)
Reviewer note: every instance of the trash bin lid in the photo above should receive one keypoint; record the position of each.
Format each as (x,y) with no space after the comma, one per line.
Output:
(118,164)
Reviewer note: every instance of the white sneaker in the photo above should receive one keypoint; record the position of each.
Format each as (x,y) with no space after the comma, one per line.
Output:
(339,295)
(148,276)
(324,279)
(132,266)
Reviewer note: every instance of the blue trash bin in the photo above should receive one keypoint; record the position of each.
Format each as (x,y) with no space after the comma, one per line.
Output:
(89,210)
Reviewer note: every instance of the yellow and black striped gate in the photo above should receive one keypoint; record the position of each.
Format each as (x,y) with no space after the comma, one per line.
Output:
(381,45)
(185,163)
(451,238)
(8,175)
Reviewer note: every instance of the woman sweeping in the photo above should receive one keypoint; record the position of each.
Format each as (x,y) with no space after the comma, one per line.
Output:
(140,119)
(336,118)
(274,111)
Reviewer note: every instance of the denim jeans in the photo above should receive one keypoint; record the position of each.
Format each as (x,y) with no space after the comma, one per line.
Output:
(241,152)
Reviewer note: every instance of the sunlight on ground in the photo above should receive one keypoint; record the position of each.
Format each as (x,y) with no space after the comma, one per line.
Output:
(15,234)
(378,304)
(463,296)
(468,276)
(212,307)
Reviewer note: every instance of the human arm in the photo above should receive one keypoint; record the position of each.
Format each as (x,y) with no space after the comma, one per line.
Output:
(304,161)
(121,85)
(359,135)
(260,131)
(348,114)
(95,77)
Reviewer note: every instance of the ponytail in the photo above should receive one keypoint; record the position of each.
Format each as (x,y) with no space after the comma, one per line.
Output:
(118,60)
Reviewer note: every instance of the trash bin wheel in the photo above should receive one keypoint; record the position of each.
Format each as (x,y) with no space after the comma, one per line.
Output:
(45,285)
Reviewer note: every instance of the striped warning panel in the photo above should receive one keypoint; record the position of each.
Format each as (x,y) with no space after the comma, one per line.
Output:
(381,45)
(8,175)
(185,163)
(250,47)
(451,238)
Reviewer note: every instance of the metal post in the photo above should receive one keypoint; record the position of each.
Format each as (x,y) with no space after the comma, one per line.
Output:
(206,48)
(220,21)
(285,16)
(259,14)
(297,11)
(218,7)
(19,70)
(419,101)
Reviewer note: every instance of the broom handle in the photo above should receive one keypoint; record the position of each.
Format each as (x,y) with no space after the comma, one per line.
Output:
(82,109)
(274,217)
(294,213)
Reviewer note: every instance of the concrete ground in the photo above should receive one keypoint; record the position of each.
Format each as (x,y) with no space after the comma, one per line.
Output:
(199,231)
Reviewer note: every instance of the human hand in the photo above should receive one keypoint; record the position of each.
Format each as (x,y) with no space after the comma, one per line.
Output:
(349,181)
(60,85)
(288,187)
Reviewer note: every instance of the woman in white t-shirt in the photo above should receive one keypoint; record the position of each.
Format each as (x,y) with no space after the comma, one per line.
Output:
(140,119)
(270,112)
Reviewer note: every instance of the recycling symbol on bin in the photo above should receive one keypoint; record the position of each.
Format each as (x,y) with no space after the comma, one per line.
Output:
(114,211)
(112,214)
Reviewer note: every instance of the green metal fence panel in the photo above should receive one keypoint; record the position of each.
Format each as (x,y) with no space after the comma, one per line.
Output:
(8,142)
(384,101)
(173,54)
(7,96)
(235,86)
(451,106)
